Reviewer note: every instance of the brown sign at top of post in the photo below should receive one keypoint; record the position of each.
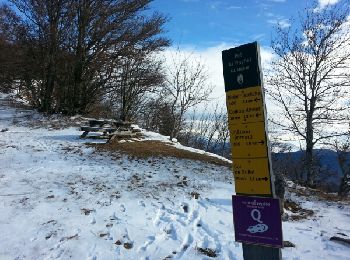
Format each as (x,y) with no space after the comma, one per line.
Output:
(246,118)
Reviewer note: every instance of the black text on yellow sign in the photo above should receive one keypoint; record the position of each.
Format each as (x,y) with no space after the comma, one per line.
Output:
(252,176)
(248,140)
(245,105)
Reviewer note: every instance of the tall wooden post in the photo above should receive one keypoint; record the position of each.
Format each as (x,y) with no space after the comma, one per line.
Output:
(259,227)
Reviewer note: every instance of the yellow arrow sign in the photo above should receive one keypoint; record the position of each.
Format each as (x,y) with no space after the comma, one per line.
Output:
(248,140)
(252,176)
(245,105)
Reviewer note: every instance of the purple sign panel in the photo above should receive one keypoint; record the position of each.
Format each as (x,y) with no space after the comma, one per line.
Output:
(257,220)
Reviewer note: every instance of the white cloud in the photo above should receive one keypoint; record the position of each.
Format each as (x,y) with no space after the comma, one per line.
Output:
(258,37)
(282,22)
(211,56)
(269,14)
(323,3)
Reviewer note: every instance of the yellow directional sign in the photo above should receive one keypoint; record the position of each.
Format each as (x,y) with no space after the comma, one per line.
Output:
(246,120)
(248,140)
(245,105)
(249,143)
(252,176)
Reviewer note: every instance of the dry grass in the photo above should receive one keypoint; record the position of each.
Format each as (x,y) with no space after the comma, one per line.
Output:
(207,251)
(299,212)
(321,195)
(146,149)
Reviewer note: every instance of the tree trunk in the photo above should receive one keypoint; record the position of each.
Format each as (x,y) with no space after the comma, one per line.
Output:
(76,96)
(49,83)
(344,188)
(52,52)
(310,174)
(280,185)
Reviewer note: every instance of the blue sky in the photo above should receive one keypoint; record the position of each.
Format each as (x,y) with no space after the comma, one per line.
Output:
(206,27)
(206,23)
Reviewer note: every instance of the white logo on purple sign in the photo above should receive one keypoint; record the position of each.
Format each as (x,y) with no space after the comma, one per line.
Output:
(260,227)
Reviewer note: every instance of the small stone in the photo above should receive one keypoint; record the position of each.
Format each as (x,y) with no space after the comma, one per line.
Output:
(195,195)
(185,208)
(288,244)
(127,245)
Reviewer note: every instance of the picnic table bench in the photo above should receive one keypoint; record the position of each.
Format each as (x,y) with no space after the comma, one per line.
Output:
(109,127)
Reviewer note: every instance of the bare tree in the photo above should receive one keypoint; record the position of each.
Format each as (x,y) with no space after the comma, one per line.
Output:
(186,86)
(207,130)
(44,21)
(20,59)
(8,49)
(104,35)
(310,76)
(77,45)
(135,77)
(342,148)
(214,127)
(224,135)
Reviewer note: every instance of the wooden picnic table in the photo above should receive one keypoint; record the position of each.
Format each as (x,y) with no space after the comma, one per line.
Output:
(107,126)
(112,122)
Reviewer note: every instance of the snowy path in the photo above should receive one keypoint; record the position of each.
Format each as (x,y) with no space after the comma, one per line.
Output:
(59,199)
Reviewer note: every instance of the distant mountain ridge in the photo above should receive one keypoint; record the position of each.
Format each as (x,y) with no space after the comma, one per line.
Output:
(329,171)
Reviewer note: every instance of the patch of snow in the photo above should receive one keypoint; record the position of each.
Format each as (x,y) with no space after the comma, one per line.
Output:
(152,136)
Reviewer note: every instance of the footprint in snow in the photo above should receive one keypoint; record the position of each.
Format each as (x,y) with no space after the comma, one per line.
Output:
(158,217)
(122,208)
(170,231)
(192,216)
(113,217)
(185,207)
(210,235)
(91,255)
(150,240)
(204,243)
(188,240)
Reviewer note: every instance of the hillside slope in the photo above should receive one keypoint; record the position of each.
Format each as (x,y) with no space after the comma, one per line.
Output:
(62,198)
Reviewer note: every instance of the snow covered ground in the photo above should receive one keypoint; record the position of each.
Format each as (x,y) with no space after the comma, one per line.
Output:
(61,199)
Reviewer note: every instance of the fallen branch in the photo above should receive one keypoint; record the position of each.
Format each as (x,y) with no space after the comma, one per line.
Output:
(340,239)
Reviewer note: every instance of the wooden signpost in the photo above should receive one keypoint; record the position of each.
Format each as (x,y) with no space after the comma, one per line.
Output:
(256,212)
